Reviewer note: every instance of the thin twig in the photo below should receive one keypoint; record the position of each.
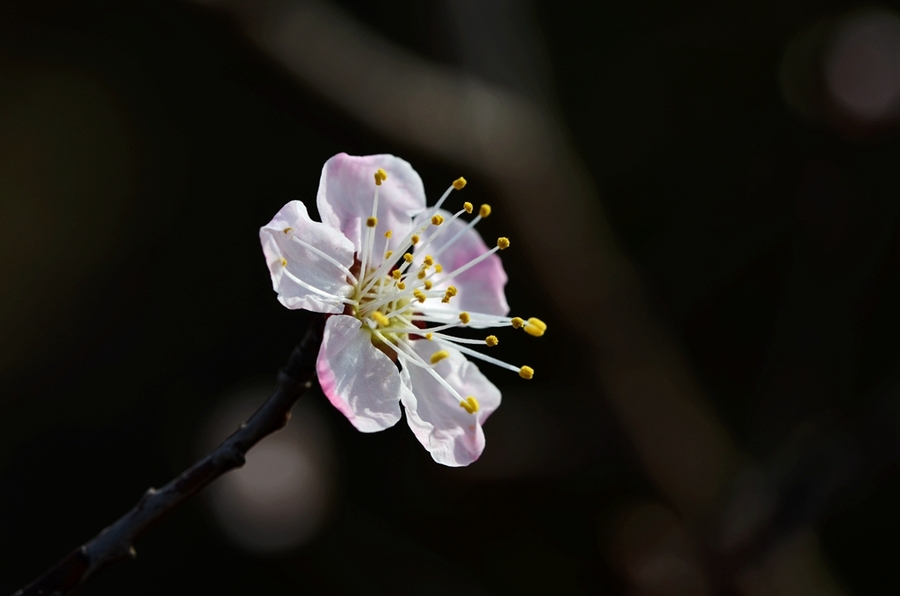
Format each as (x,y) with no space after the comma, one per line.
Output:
(115,543)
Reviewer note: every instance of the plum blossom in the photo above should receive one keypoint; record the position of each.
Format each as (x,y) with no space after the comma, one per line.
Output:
(394,277)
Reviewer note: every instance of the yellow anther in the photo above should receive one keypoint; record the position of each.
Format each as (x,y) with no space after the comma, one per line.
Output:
(535,327)
(464,317)
(288,230)
(485,210)
(388,234)
(428,284)
(429,261)
(283,262)
(448,294)
(380,176)
(467,206)
(372,222)
(437,220)
(381,319)
(438,268)
(428,336)
(419,295)
(491,341)
(459,183)
(526,372)
(408,257)
(401,285)
(438,356)
(388,254)
(470,405)
(414,239)
(396,273)
(517,322)
(502,242)
(422,274)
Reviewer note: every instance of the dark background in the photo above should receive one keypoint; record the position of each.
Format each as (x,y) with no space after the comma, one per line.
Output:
(142,145)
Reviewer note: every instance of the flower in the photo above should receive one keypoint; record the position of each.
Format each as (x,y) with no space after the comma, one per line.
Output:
(394,278)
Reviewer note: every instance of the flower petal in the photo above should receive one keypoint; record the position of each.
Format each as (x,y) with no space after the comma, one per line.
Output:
(452,435)
(323,284)
(347,188)
(358,379)
(480,289)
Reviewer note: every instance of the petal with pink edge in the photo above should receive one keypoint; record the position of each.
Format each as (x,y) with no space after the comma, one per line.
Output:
(308,278)
(358,379)
(480,289)
(347,189)
(452,435)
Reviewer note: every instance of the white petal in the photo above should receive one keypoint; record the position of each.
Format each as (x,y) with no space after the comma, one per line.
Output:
(347,189)
(452,435)
(480,289)
(328,281)
(358,379)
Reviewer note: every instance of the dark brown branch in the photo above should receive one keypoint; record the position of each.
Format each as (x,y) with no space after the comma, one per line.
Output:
(115,543)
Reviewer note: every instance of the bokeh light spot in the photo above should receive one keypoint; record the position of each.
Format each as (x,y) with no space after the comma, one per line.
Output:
(862,66)
(279,499)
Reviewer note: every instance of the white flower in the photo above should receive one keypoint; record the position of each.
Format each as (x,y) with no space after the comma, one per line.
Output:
(395,278)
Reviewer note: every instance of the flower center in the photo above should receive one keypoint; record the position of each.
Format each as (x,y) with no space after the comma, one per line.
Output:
(400,299)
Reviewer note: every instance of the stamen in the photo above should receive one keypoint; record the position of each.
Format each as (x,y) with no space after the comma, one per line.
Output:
(535,327)
(437,220)
(414,239)
(457,340)
(325,256)
(428,284)
(429,261)
(388,234)
(404,351)
(491,341)
(486,358)
(526,372)
(502,243)
(465,318)
(381,319)
(401,285)
(440,355)
(369,237)
(283,262)
(485,210)
(396,273)
(517,322)
(470,264)
(468,207)
(470,404)
(428,336)
(314,289)
(408,257)
(288,230)
(459,183)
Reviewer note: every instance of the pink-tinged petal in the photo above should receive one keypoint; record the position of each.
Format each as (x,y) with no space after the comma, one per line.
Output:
(347,189)
(480,289)
(452,435)
(358,379)
(323,284)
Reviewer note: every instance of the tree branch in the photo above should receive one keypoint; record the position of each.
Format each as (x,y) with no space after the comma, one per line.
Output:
(115,543)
